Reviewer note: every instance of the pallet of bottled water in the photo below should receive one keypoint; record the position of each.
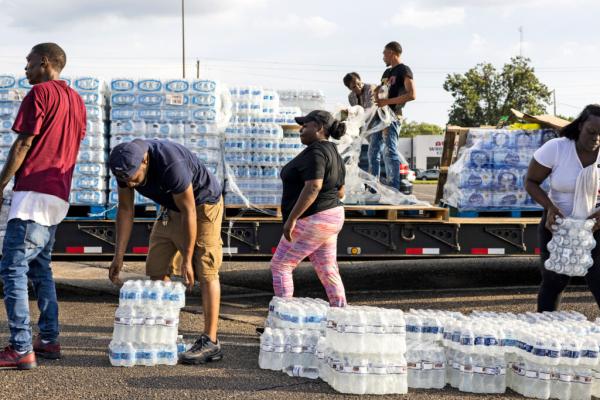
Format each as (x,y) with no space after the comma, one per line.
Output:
(146,324)
(491,169)
(187,112)
(254,147)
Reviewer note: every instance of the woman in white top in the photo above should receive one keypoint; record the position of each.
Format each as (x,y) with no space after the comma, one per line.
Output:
(561,160)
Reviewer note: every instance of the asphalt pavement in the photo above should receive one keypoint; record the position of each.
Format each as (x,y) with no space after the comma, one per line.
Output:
(86,325)
(425,191)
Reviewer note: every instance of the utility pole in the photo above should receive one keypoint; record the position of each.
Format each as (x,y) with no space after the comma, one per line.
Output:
(554,100)
(183,36)
(197,69)
(520,41)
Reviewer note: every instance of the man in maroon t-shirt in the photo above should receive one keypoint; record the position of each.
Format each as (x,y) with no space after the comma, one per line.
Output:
(50,125)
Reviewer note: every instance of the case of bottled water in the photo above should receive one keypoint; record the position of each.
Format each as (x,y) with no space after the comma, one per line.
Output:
(355,350)
(490,170)
(571,247)
(146,324)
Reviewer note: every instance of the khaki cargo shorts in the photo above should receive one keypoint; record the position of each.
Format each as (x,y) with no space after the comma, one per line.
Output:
(167,241)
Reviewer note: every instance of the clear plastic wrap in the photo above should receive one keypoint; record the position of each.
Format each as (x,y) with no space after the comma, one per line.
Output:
(362,187)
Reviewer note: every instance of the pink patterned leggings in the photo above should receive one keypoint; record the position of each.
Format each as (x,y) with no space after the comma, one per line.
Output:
(314,236)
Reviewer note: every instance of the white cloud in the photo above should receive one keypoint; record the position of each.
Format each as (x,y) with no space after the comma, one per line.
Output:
(42,14)
(478,43)
(314,25)
(429,17)
(320,26)
(577,49)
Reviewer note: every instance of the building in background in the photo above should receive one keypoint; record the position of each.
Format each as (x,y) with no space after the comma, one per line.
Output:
(422,151)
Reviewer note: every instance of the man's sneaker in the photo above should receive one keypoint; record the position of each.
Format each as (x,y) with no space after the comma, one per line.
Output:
(49,351)
(203,351)
(9,358)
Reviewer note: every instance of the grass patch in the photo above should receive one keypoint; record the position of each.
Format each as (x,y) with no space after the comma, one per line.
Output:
(427,182)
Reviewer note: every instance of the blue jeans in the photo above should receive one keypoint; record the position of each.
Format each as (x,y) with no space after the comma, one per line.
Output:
(26,254)
(386,143)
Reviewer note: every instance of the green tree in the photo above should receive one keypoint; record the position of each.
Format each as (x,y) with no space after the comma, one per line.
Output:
(483,95)
(413,128)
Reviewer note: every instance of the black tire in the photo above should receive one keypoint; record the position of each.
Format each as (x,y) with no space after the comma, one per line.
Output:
(424,178)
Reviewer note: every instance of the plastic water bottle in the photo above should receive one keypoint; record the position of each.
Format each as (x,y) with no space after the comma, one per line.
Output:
(122,324)
(181,344)
(265,357)
(300,371)
(279,350)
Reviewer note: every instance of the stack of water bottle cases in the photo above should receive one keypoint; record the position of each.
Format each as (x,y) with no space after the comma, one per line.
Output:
(12,92)
(306,99)
(490,171)
(89,178)
(255,148)
(89,184)
(366,350)
(182,111)
(146,324)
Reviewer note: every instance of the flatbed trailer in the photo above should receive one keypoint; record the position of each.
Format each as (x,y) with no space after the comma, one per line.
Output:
(401,237)
(369,232)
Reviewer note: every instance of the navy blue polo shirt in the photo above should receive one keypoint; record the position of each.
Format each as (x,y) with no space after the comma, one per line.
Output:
(171,169)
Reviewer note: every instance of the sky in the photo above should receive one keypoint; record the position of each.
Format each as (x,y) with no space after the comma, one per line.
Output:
(312,44)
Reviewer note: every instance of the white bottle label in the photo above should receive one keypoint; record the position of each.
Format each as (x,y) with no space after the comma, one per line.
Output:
(427,365)
(544,376)
(379,370)
(360,369)
(267,347)
(565,377)
(530,374)
(297,370)
(478,370)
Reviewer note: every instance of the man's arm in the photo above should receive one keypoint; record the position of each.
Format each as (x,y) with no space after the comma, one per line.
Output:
(124,224)
(370,96)
(186,203)
(18,152)
(409,95)
(352,99)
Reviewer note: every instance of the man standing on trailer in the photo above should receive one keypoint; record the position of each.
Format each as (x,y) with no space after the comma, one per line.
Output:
(190,224)
(397,80)
(50,125)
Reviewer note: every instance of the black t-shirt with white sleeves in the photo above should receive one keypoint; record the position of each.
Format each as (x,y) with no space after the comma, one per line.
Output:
(320,160)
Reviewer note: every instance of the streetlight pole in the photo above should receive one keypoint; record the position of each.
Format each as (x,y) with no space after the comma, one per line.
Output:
(183,36)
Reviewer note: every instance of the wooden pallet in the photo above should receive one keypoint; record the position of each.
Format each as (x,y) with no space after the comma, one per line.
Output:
(376,212)
(454,139)
(394,213)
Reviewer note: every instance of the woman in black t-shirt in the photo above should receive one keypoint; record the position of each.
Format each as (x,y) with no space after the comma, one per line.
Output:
(313,215)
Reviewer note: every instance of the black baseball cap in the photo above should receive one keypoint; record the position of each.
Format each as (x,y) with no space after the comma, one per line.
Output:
(319,116)
(125,159)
